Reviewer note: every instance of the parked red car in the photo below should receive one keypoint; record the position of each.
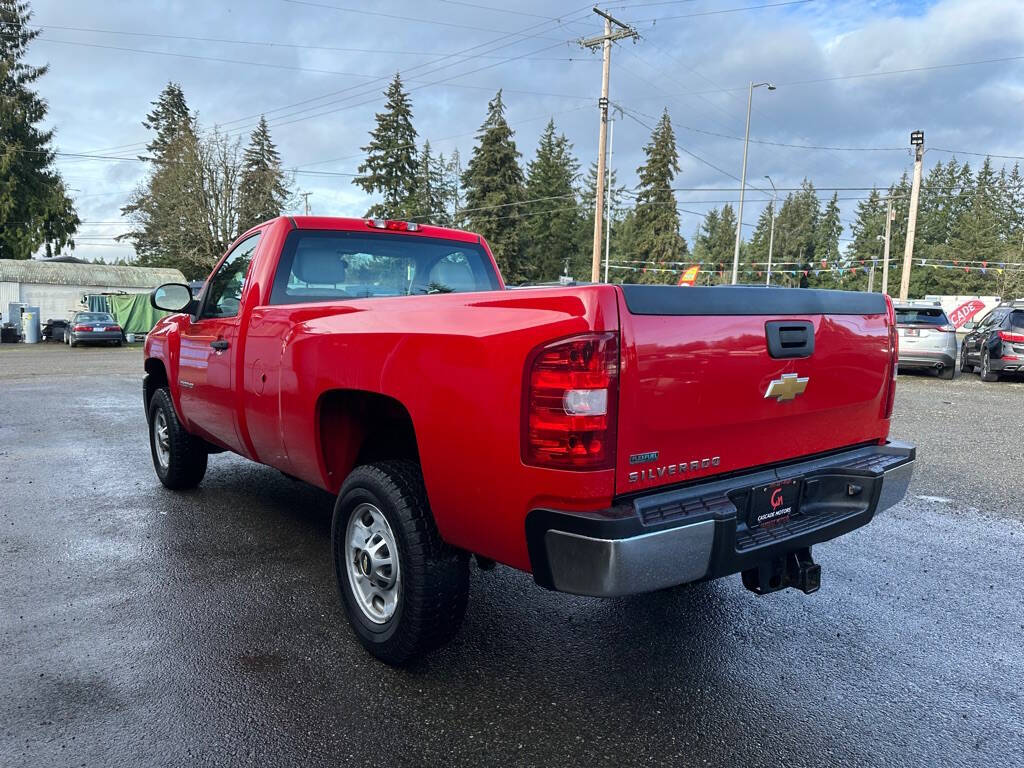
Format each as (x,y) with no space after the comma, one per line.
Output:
(610,439)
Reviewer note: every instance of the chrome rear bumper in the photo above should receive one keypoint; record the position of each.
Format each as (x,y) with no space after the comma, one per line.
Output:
(625,551)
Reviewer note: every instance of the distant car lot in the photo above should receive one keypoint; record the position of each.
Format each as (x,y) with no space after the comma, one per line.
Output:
(150,628)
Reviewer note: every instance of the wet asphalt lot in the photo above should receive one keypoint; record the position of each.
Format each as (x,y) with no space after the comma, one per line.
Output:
(141,627)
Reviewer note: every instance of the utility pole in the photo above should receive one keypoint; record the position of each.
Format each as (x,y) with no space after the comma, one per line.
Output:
(885,256)
(605,41)
(608,205)
(916,141)
(305,199)
(871,278)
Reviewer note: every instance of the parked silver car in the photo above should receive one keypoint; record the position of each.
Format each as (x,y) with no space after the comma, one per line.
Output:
(927,338)
(94,328)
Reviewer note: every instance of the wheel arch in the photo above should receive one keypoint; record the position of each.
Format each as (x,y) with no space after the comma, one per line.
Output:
(355,427)
(156,378)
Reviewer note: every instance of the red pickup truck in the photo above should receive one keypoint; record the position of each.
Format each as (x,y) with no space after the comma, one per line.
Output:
(610,439)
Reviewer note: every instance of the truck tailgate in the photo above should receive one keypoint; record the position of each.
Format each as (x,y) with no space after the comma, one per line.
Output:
(697,396)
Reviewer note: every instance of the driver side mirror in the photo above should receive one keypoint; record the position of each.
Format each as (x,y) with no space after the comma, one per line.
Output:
(173,297)
(970,326)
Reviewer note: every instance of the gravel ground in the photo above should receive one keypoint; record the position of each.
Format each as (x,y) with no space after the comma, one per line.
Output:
(149,628)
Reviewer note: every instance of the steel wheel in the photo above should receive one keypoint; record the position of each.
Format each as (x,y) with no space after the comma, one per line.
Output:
(161,439)
(372,563)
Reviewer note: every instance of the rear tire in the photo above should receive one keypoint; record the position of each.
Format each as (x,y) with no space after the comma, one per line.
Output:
(178,457)
(404,590)
(986,367)
(947,373)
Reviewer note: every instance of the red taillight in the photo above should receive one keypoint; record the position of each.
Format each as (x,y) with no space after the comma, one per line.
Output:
(947,328)
(569,403)
(1014,338)
(113,327)
(80,328)
(894,358)
(392,225)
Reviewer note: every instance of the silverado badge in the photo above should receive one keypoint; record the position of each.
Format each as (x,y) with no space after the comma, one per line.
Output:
(786,388)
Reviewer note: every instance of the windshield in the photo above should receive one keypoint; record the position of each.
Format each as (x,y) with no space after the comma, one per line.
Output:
(921,316)
(93,317)
(323,266)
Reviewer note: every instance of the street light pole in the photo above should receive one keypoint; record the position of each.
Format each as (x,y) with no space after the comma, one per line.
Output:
(743,180)
(771,237)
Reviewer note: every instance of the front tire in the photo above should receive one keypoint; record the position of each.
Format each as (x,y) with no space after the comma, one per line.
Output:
(965,367)
(404,590)
(178,457)
(986,367)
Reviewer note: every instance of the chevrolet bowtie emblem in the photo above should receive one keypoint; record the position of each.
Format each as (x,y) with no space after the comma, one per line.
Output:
(787,388)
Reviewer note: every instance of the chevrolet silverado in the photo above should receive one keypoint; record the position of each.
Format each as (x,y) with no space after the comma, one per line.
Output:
(609,439)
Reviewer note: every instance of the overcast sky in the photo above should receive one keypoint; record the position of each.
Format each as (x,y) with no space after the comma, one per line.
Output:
(317,69)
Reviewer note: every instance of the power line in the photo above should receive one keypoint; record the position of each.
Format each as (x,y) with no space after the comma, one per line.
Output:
(975,154)
(722,10)
(269,65)
(260,43)
(490,45)
(405,19)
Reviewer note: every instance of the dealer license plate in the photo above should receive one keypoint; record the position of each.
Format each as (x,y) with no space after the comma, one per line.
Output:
(773,503)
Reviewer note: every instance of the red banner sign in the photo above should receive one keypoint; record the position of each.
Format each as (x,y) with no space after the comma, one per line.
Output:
(965,312)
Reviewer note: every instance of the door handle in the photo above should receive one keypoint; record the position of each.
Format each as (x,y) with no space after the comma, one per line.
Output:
(219,344)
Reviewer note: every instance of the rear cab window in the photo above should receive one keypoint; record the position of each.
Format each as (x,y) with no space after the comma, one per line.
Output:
(321,265)
(921,316)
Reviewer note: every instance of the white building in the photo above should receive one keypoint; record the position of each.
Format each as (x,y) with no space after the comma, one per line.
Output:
(57,287)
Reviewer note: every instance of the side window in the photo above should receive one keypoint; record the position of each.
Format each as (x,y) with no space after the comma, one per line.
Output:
(996,318)
(984,323)
(224,290)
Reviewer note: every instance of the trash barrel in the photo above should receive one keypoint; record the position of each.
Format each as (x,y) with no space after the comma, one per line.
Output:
(30,327)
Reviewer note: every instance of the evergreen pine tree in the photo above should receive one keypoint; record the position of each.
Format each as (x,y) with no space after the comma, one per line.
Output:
(620,247)
(724,248)
(553,219)
(169,197)
(707,238)
(390,166)
(493,183)
(795,235)
(867,226)
(658,242)
(35,209)
(169,114)
(429,201)
(756,249)
(263,191)
(829,229)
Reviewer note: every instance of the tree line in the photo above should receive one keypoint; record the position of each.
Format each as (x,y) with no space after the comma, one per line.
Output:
(204,188)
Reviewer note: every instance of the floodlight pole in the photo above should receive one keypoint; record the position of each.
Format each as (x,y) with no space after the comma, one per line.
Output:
(917,141)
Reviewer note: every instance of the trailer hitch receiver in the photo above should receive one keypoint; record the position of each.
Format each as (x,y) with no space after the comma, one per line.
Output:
(796,569)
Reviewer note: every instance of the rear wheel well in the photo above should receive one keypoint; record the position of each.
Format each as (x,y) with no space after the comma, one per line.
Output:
(357,427)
